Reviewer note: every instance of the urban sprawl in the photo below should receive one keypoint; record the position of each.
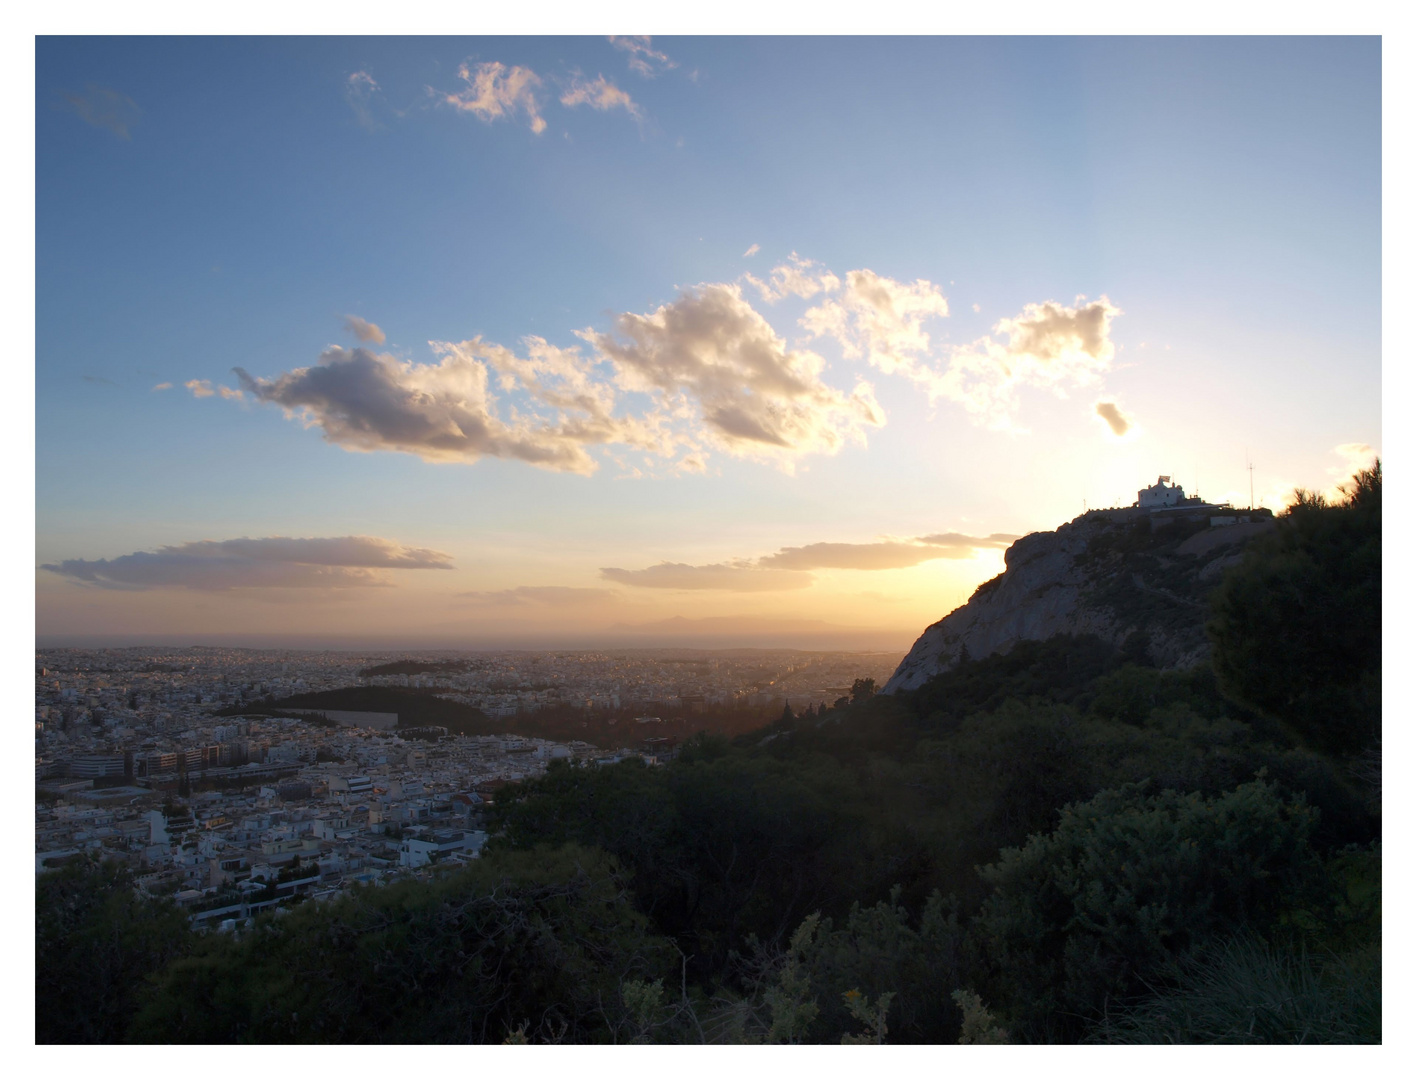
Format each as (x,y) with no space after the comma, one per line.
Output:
(183,764)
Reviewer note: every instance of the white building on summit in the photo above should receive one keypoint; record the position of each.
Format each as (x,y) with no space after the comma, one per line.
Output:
(1162,494)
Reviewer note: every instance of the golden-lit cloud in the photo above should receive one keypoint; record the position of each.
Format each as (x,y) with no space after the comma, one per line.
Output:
(1115,419)
(163,386)
(496,92)
(712,352)
(884,554)
(729,576)
(644,59)
(261,563)
(200,387)
(600,94)
(364,330)
(105,108)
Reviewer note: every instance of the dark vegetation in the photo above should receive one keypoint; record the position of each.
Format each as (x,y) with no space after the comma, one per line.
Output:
(1060,844)
(418,708)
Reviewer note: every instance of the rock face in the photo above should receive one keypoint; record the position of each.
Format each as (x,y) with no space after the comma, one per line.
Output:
(1109,573)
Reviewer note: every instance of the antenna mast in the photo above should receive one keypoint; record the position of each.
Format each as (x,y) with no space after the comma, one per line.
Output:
(1251,466)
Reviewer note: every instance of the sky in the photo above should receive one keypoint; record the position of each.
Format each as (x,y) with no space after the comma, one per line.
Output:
(564,342)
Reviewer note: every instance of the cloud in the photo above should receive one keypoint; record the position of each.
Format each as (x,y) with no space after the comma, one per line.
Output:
(1050,345)
(364,330)
(449,411)
(1355,455)
(244,563)
(541,596)
(495,92)
(752,250)
(163,386)
(231,395)
(796,277)
(880,319)
(644,60)
(99,379)
(882,555)
(1118,421)
(738,576)
(359,90)
(711,352)
(200,387)
(105,108)
(600,94)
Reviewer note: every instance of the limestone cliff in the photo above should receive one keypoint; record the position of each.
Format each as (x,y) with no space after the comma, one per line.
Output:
(1109,573)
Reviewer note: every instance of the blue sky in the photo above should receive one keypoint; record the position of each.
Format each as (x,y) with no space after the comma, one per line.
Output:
(210,204)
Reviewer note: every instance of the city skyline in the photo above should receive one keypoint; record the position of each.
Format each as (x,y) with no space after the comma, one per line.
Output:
(553,341)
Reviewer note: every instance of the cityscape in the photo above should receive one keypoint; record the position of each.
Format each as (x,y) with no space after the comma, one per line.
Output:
(173,761)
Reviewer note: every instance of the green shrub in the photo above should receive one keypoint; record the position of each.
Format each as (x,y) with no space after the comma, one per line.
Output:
(1080,919)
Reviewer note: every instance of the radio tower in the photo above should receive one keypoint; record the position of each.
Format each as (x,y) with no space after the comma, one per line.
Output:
(1251,466)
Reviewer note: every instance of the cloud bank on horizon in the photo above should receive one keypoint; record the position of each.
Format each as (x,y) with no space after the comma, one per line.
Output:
(262,563)
(704,372)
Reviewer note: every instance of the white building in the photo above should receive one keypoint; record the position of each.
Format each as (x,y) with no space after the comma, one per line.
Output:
(1161,495)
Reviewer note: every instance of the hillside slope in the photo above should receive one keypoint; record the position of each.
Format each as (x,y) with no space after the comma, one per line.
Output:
(1108,573)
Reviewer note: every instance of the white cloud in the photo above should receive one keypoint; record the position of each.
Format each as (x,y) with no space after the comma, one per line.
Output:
(163,386)
(728,577)
(231,395)
(881,320)
(644,60)
(266,562)
(495,92)
(712,353)
(752,250)
(364,330)
(600,94)
(200,387)
(796,277)
(1050,345)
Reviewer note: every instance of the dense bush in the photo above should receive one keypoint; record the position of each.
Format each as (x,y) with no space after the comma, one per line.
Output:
(1080,919)
(539,942)
(96,942)
(1297,625)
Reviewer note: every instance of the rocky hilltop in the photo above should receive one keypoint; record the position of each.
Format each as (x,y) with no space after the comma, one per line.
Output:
(1108,573)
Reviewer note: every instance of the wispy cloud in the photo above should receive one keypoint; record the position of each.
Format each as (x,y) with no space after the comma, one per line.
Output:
(105,108)
(163,386)
(360,90)
(556,596)
(99,379)
(364,330)
(600,94)
(261,563)
(730,577)
(796,277)
(200,387)
(752,250)
(884,554)
(789,568)
(1112,413)
(496,92)
(644,59)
